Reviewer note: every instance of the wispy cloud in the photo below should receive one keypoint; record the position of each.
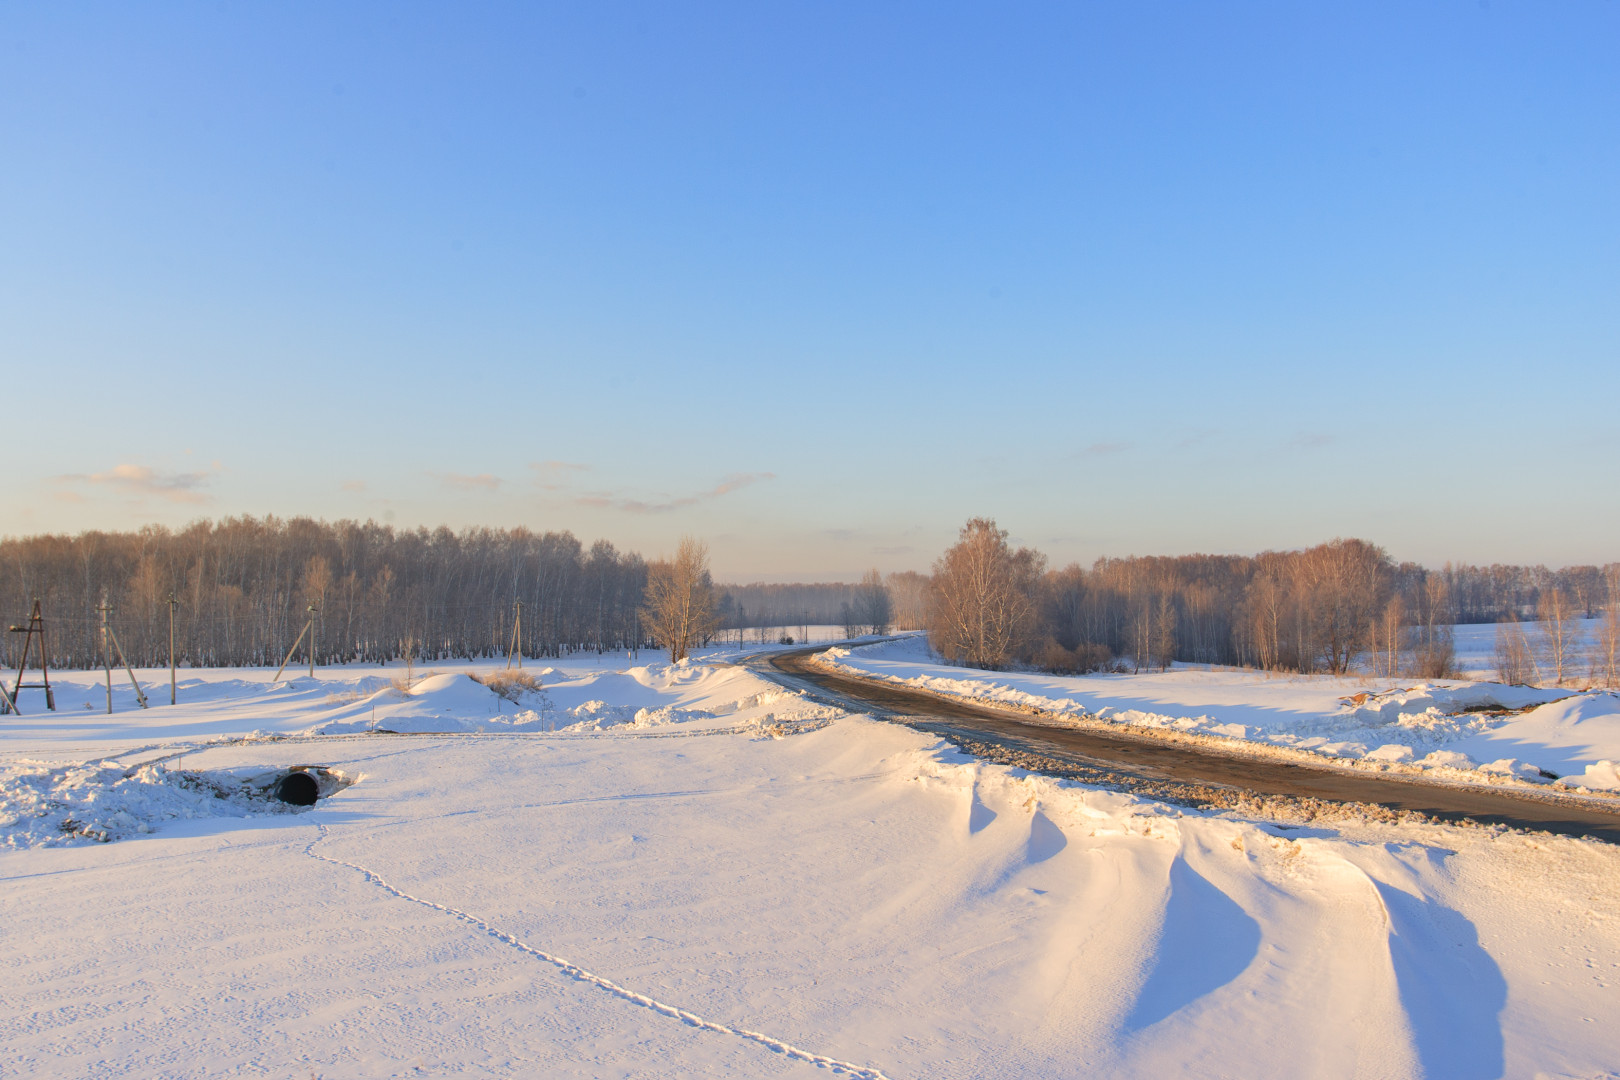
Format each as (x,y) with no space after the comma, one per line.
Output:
(1196,436)
(552,475)
(1103,449)
(462,482)
(353,485)
(1309,440)
(731,483)
(143,481)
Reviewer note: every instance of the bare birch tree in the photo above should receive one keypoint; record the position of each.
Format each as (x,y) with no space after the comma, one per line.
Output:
(983,600)
(1608,652)
(1343,582)
(1140,616)
(1387,637)
(1515,664)
(1560,633)
(908,593)
(1164,632)
(1265,608)
(1434,654)
(874,608)
(850,620)
(680,600)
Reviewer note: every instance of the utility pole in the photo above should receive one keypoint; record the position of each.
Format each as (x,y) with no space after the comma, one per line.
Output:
(34,629)
(515,649)
(140,695)
(106,646)
(313,610)
(172,603)
(299,640)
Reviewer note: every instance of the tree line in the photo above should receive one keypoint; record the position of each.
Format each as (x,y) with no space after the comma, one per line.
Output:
(244,588)
(1328,608)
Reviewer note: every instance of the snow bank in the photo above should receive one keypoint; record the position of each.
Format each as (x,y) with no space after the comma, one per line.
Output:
(435,703)
(1442,699)
(647,696)
(45,805)
(1599,776)
(1486,732)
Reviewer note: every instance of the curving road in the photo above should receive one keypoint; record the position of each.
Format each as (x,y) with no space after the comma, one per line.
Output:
(1176,772)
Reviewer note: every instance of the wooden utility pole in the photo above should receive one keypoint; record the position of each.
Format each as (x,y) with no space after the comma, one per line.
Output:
(296,642)
(140,695)
(106,646)
(516,648)
(313,609)
(34,629)
(172,603)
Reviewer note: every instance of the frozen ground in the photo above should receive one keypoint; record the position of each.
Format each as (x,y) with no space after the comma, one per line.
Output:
(703,876)
(1454,730)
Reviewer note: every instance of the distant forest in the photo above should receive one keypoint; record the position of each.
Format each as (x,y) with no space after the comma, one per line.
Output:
(244,589)
(1326,608)
(244,586)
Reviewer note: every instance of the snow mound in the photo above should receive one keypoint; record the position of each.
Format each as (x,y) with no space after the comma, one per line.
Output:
(1565,736)
(600,716)
(449,692)
(1518,770)
(54,805)
(653,695)
(1599,776)
(435,703)
(1410,705)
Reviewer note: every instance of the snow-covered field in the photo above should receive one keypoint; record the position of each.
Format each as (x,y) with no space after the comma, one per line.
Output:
(1454,730)
(1475,644)
(652,871)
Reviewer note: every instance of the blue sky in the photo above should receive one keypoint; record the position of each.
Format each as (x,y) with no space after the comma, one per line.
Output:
(821,281)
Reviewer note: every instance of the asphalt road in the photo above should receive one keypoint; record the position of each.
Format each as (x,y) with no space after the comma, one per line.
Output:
(1174,771)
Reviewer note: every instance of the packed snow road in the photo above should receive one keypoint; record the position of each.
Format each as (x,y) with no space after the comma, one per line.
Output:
(1143,764)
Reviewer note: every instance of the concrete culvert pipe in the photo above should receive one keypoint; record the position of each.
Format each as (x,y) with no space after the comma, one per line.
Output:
(298,788)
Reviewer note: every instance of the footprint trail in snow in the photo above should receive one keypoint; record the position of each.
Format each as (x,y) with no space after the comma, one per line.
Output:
(579,974)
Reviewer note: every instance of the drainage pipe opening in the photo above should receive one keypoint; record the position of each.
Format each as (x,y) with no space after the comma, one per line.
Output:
(298,789)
